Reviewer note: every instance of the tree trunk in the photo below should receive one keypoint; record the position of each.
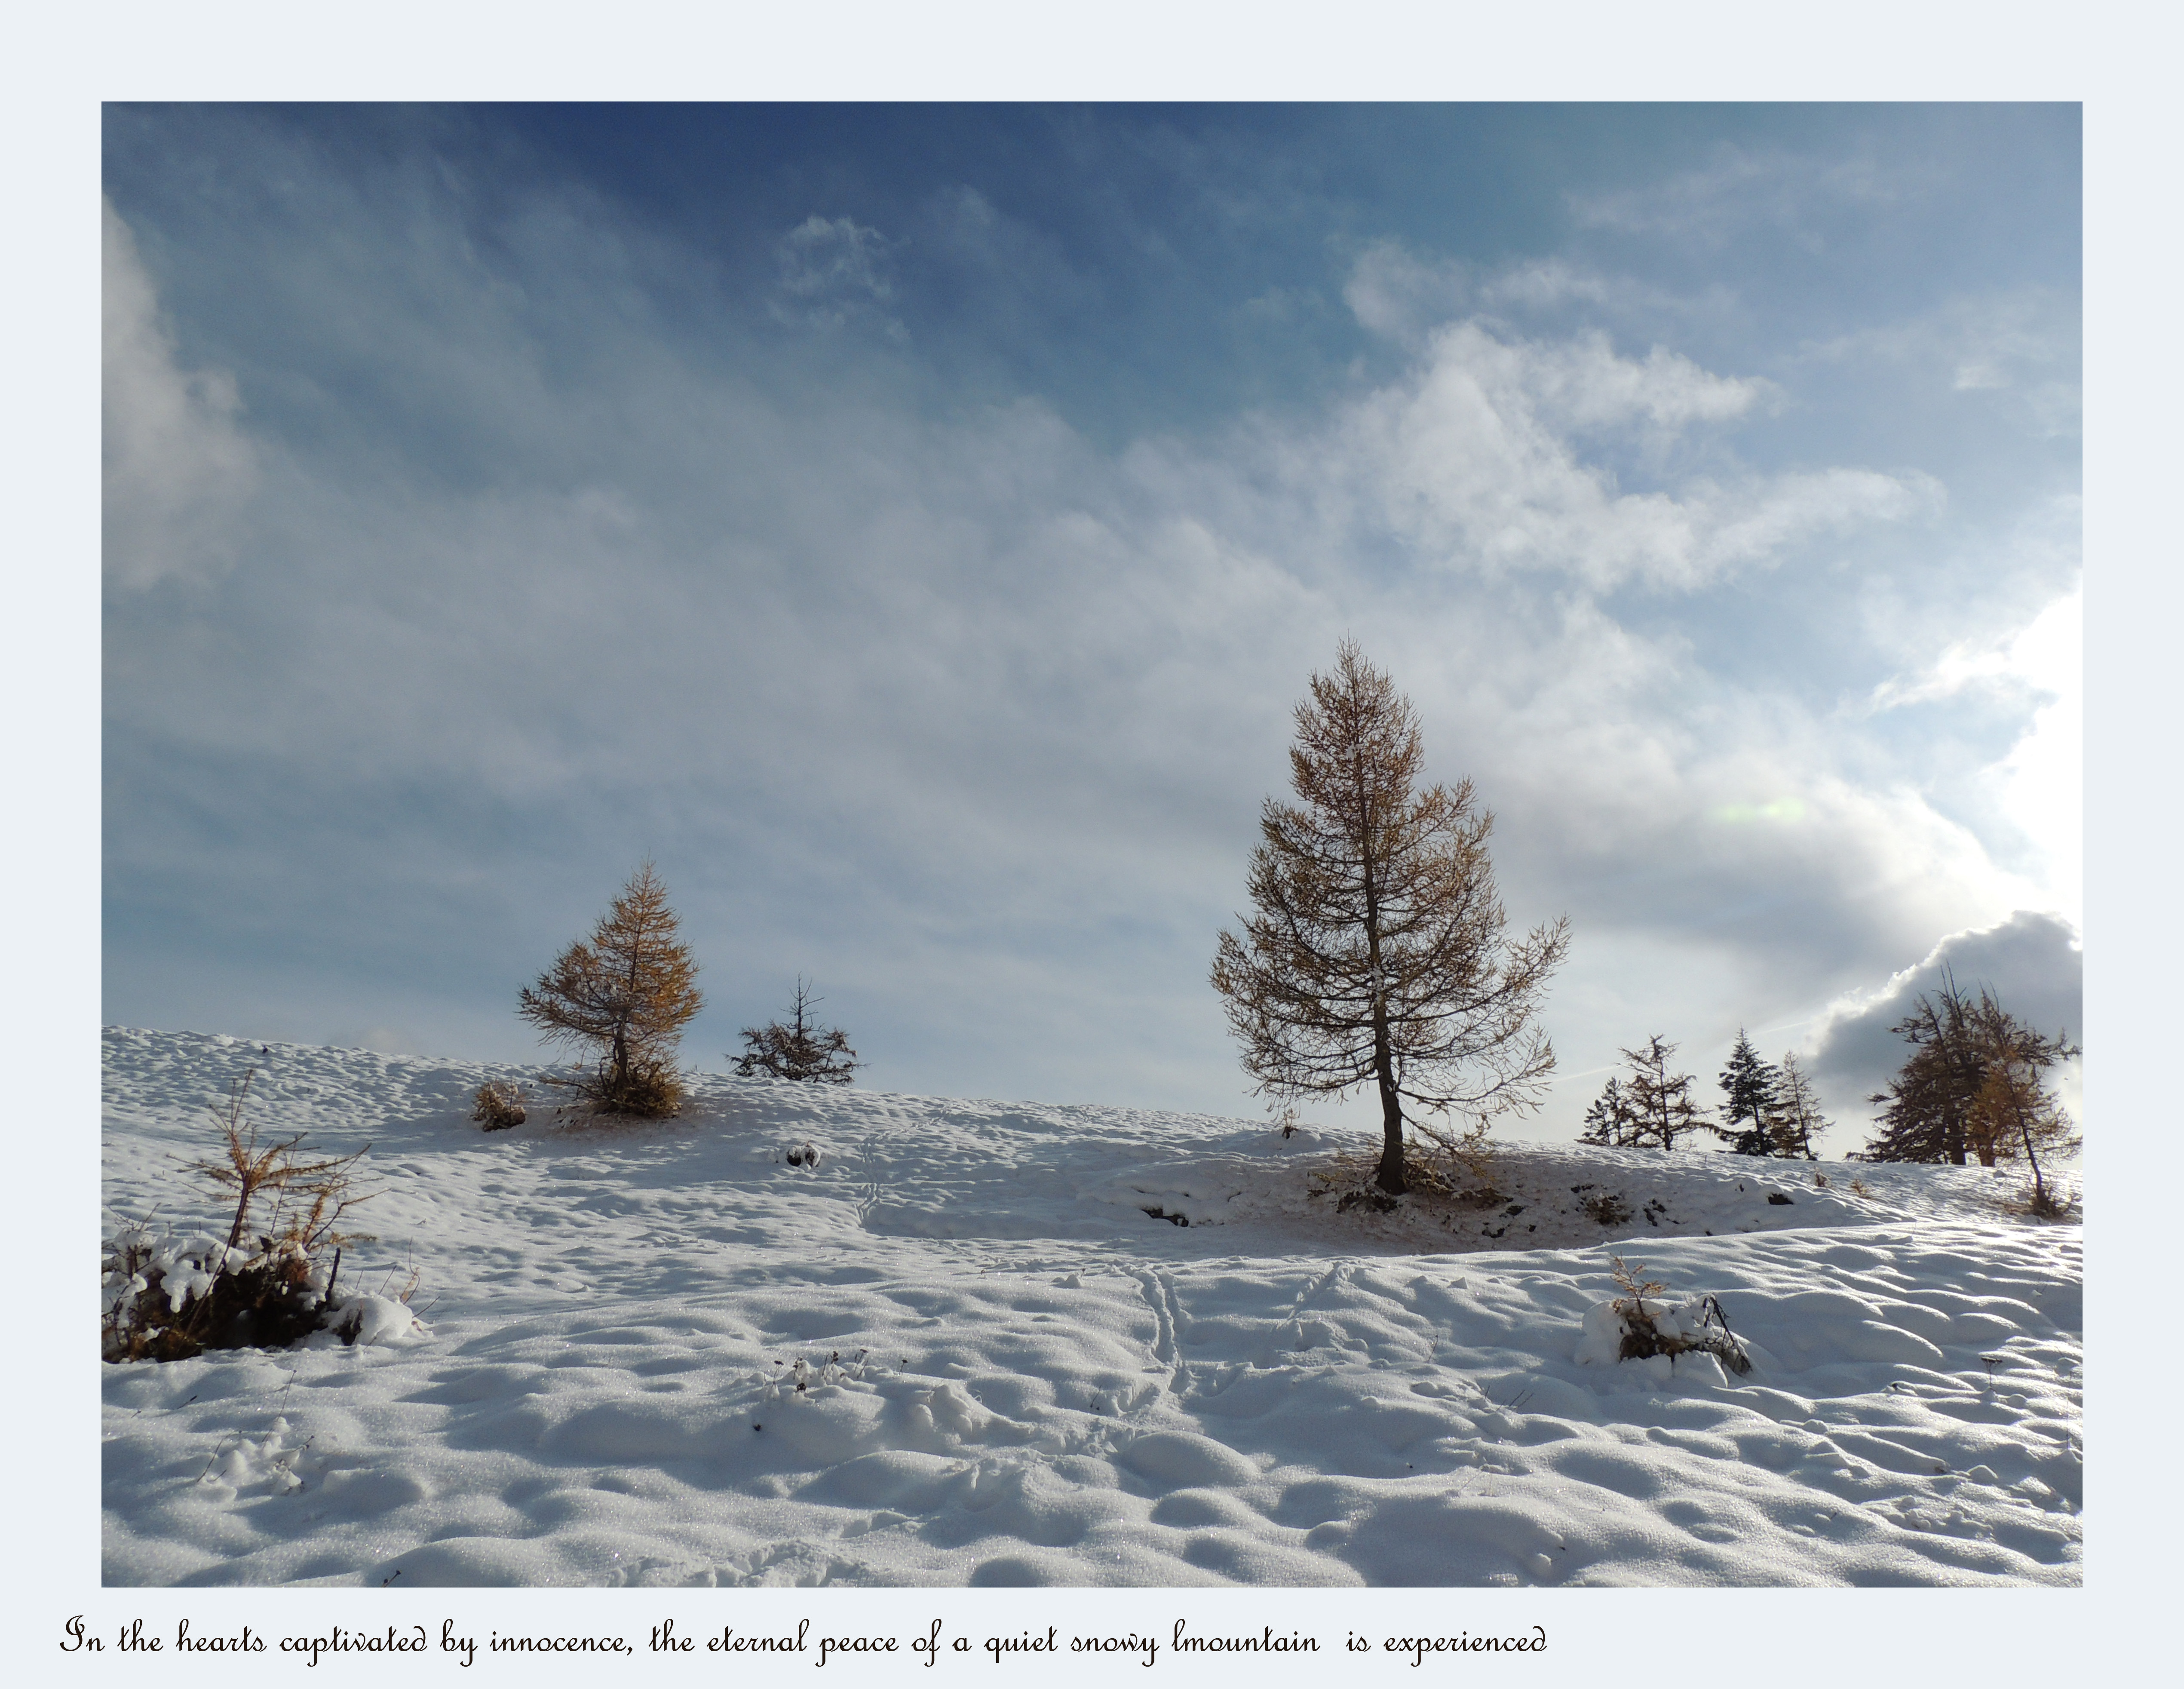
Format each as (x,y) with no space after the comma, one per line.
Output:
(2025,1131)
(1390,1174)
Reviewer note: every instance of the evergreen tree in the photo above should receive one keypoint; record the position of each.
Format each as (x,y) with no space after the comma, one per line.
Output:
(1610,1121)
(624,996)
(1374,953)
(1750,1091)
(799,1048)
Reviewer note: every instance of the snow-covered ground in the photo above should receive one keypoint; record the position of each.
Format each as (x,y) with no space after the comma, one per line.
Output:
(960,1350)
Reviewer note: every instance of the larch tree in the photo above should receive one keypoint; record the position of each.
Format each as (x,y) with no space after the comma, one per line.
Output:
(1750,1088)
(1925,1112)
(799,1048)
(1797,1119)
(1374,954)
(1974,1086)
(1661,1104)
(623,997)
(2015,1109)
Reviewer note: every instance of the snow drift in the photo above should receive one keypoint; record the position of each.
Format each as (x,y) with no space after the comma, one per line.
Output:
(962,1348)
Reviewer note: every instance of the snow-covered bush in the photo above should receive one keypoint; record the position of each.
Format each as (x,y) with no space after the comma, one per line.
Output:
(1637,1325)
(165,1297)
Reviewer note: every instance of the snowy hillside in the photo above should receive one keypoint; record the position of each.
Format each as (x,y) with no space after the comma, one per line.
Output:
(961,1350)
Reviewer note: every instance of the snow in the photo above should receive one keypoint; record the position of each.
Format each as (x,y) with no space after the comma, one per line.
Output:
(958,1350)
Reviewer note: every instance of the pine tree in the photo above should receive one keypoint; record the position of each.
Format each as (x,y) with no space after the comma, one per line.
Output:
(1611,1121)
(1750,1095)
(1374,953)
(799,1049)
(1797,1119)
(623,996)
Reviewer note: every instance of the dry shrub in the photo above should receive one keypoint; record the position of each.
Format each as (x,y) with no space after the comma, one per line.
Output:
(500,1107)
(1632,1304)
(800,1048)
(2048,1200)
(1608,1208)
(651,1091)
(1459,1177)
(644,1091)
(165,1298)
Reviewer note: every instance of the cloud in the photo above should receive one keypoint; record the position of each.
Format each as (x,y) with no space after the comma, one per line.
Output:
(178,468)
(2039,785)
(951,706)
(1739,188)
(1394,293)
(2034,963)
(832,270)
(2017,350)
(1401,295)
(1476,456)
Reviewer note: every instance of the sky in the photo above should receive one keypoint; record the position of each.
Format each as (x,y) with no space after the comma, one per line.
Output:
(910,529)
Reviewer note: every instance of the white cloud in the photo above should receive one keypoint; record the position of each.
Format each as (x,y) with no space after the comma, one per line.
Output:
(1401,296)
(177,466)
(971,716)
(1741,188)
(2019,349)
(831,269)
(1394,293)
(1476,456)
(2040,784)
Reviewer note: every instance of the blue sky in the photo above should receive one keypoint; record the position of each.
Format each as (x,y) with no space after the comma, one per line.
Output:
(911,528)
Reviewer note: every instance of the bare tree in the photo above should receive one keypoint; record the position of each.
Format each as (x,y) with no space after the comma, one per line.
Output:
(624,996)
(1660,1102)
(1796,1119)
(2016,1110)
(1374,955)
(799,1048)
